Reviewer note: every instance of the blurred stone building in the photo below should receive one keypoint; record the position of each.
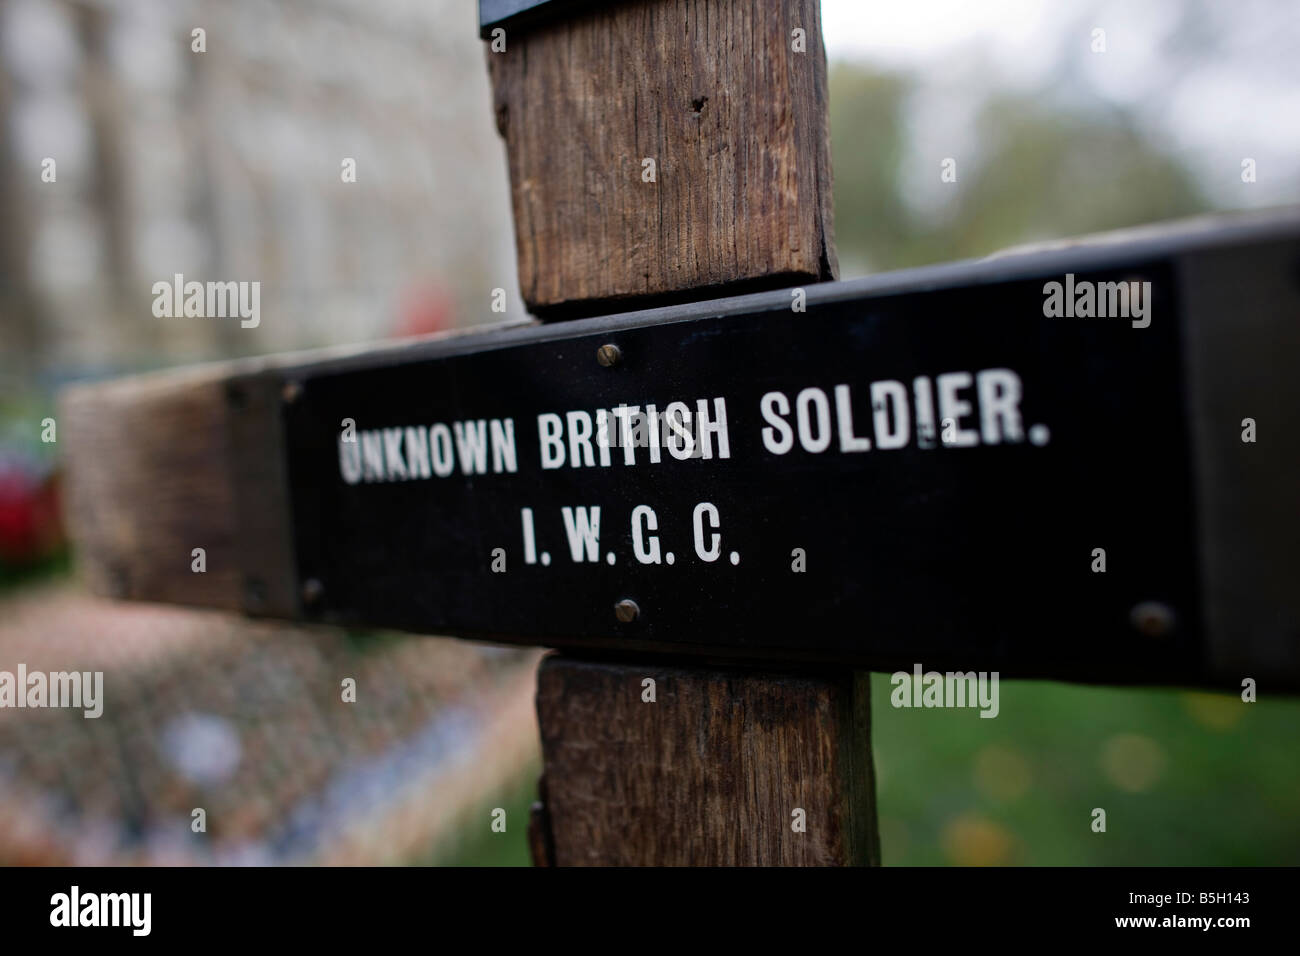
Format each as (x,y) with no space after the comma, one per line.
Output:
(227,165)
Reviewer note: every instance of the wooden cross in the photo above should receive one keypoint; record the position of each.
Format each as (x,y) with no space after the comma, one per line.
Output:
(738,488)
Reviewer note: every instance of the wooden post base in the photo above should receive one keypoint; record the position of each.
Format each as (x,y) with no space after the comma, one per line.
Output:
(646,764)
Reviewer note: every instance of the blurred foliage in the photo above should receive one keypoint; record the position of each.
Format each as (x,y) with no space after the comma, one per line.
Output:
(14,576)
(1042,172)
(867,153)
(1185,778)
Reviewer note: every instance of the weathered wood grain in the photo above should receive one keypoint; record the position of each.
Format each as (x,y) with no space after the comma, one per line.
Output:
(734,119)
(148,481)
(711,772)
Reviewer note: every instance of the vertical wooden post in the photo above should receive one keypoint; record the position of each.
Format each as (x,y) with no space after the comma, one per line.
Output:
(667,150)
(647,764)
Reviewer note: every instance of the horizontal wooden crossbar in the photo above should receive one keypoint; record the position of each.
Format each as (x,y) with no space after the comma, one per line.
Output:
(956,467)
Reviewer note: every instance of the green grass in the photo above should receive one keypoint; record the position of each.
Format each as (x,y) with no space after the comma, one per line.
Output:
(1184,778)
(482,847)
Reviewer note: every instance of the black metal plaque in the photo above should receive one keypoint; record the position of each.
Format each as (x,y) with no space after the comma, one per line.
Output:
(1004,448)
(919,468)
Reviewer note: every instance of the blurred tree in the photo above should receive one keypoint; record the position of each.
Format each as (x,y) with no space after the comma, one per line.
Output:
(1048,175)
(1041,172)
(867,151)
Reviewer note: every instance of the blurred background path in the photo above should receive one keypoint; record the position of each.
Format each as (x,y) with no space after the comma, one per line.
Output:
(247,721)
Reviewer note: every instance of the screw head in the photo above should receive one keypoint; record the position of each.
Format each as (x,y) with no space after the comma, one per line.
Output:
(626,610)
(1152,619)
(609,355)
(291,392)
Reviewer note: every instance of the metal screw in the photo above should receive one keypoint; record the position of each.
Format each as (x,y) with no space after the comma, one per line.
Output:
(626,610)
(291,392)
(608,355)
(1152,619)
(312,591)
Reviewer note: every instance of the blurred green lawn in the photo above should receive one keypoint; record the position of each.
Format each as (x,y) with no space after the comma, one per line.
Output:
(1185,778)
